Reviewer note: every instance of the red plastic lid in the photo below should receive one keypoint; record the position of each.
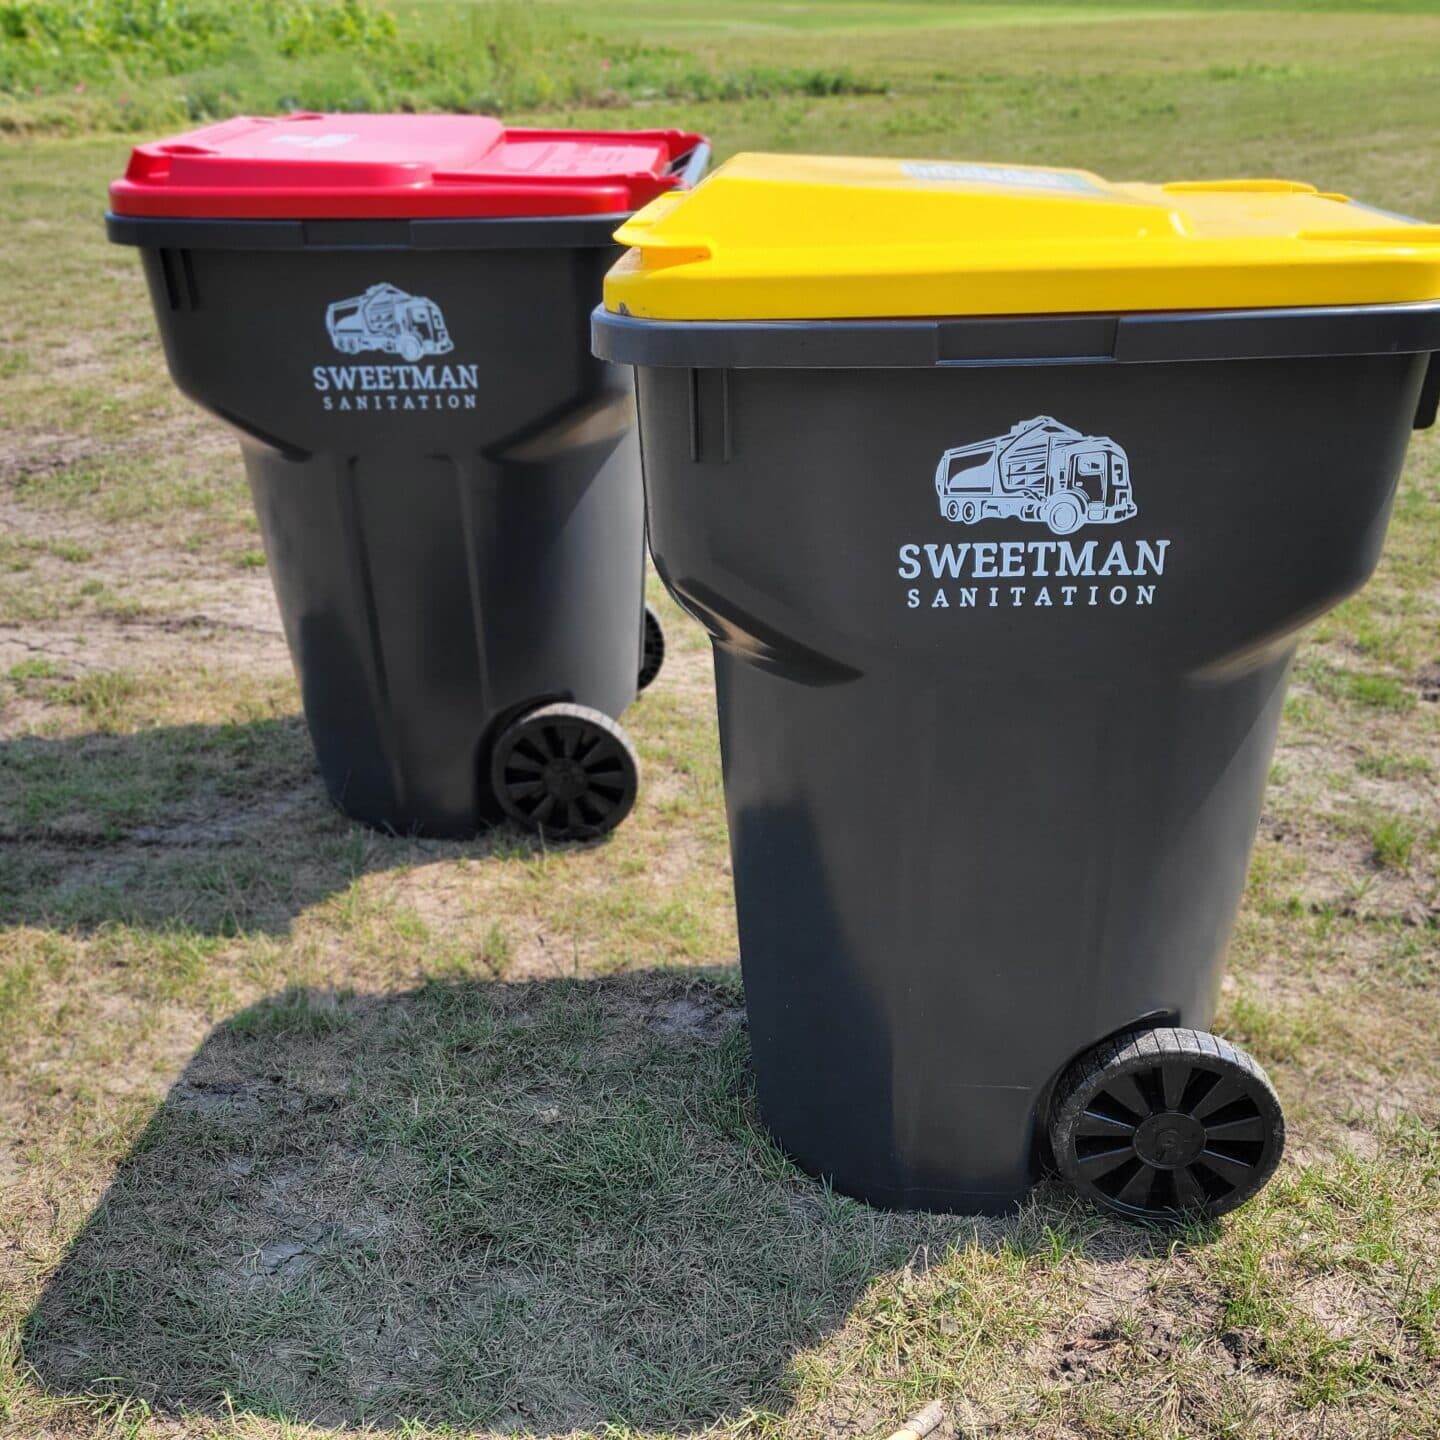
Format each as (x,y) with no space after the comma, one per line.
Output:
(398,167)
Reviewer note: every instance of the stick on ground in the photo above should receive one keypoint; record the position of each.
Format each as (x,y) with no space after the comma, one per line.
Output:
(921,1423)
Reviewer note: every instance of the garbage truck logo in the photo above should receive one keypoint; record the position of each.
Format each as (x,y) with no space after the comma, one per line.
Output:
(387,319)
(1040,470)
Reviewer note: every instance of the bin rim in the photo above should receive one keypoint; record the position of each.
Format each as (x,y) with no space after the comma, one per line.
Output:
(1154,337)
(477,233)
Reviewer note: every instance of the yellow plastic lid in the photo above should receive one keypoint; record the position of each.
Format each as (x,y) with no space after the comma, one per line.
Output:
(777,237)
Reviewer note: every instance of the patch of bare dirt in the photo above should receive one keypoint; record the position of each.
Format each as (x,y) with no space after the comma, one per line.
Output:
(143,588)
(32,453)
(238,625)
(688,670)
(696,1016)
(240,823)
(42,453)
(1359,1089)
(1095,1341)
(1338,1305)
(1342,875)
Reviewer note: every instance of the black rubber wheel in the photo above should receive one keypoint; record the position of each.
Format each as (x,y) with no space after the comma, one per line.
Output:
(565,771)
(652,646)
(1159,1123)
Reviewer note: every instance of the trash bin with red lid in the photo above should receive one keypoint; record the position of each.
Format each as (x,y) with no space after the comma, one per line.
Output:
(392,312)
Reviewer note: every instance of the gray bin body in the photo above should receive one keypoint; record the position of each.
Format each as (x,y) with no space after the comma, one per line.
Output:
(973,839)
(446,480)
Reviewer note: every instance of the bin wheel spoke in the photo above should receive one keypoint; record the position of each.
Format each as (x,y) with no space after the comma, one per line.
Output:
(1173,1079)
(1231,1170)
(1135,1191)
(1093,1122)
(1250,1127)
(652,647)
(1096,1163)
(1219,1096)
(565,771)
(1125,1091)
(569,741)
(1163,1122)
(1189,1193)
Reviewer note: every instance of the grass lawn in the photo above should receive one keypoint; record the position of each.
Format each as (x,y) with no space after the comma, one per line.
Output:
(307,1131)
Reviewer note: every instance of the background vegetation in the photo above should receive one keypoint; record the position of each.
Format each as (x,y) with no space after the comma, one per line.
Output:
(71,65)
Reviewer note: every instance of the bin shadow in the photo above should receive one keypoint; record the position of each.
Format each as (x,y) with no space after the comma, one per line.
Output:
(541,1207)
(220,828)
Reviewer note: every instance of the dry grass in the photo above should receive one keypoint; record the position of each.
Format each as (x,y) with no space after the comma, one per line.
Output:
(306,1130)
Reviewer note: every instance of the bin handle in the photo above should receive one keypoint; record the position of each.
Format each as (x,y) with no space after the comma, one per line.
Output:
(675,250)
(691,165)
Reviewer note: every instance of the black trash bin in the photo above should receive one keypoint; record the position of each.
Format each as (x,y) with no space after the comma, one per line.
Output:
(391,312)
(1004,494)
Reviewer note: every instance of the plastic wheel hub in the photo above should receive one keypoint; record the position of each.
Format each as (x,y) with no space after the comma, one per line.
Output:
(566,779)
(1169,1140)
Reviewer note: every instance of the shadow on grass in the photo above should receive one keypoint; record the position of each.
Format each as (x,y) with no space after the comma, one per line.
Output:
(222,829)
(538,1207)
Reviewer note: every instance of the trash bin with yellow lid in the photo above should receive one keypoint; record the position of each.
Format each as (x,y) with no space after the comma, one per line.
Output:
(1005,494)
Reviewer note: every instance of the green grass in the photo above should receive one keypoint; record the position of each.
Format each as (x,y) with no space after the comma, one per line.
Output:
(1377,692)
(1274,1034)
(560,1147)
(1394,839)
(37,669)
(124,772)
(1395,767)
(1352,1237)
(305,1129)
(330,1164)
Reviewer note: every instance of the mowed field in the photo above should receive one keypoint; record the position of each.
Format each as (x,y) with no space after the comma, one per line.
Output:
(307,1130)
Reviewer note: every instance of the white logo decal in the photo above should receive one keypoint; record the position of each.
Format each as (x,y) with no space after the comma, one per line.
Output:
(386,318)
(1045,473)
(1018,177)
(392,321)
(1042,470)
(326,140)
